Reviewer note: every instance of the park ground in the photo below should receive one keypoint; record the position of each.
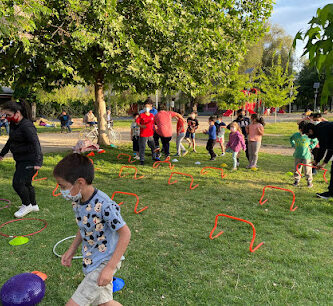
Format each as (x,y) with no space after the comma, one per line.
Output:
(170,259)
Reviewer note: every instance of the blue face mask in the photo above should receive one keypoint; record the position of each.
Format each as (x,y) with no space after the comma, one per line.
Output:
(66,193)
(217,121)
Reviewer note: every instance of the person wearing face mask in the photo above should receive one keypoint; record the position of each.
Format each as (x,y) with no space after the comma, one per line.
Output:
(24,144)
(102,231)
(303,146)
(324,133)
(145,122)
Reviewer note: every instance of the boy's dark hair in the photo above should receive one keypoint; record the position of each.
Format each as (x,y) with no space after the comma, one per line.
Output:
(148,101)
(316,115)
(135,114)
(212,118)
(301,125)
(239,111)
(163,107)
(73,167)
(305,127)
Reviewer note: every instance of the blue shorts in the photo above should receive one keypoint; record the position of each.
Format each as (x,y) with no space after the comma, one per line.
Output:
(190,135)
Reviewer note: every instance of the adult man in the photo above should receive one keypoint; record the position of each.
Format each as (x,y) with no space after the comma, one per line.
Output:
(323,131)
(65,122)
(90,118)
(4,122)
(243,122)
(146,123)
(163,127)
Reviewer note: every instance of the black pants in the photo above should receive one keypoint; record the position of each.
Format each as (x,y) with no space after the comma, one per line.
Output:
(166,145)
(135,140)
(330,187)
(22,182)
(247,151)
(210,147)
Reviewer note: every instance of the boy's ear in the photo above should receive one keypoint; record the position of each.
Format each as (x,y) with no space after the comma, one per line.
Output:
(82,181)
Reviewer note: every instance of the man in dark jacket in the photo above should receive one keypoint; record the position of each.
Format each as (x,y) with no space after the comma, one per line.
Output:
(324,133)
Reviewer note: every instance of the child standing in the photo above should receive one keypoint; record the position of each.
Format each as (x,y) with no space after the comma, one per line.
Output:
(220,131)
(236,142)
(135,135)
(255,131)
(102,231)
(193,125)
(303,146)
(212,137)
(180,136)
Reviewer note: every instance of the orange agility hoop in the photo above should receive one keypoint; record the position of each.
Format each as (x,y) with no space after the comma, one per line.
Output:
(220,169)
(40,179)
(158,163)
(132,194)
(54,191)
(135,174)
(312,166)
(185,174)
(7,201)
(292,208)
(129,157)
(22,219)
(238,219)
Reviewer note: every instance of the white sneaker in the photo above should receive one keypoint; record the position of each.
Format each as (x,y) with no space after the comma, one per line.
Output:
(222,154)
(24,210)
(137,157)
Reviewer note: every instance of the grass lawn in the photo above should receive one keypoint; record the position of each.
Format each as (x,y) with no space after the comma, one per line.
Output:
(171,260)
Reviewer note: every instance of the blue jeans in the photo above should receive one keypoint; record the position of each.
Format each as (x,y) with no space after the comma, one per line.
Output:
(67,125)
(6,125)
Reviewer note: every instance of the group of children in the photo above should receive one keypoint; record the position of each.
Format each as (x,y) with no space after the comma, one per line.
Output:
(248,140)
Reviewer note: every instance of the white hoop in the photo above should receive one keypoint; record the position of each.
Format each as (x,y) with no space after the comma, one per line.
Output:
(55,246)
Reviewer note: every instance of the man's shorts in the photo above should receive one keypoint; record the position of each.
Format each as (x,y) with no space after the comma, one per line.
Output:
(220,139)
(89,293)
(190,135)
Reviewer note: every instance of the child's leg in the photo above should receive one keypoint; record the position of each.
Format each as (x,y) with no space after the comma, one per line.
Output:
(308,171)
(250,150)
(255,152)
(151,144)
(111,303)
(142,147)
(71,303)
(222,144)
(234,158)
(297,176)
(193,141)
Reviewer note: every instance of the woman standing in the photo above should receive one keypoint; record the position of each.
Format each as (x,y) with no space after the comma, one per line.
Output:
(24,144)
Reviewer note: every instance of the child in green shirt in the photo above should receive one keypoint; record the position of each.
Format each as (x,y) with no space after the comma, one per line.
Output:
(303,146)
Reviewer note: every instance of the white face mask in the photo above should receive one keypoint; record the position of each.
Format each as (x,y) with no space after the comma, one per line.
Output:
(147,109)
(232,129)
(315,122)
(66,193)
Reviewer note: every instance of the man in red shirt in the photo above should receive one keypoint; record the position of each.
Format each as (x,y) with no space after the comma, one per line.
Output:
(163,127)
(146,123)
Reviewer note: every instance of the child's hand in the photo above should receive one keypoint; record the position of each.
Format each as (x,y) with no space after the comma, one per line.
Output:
(105,276)
(66,259)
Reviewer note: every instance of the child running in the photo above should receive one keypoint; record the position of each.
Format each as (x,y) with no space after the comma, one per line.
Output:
(220,131)
(212,137)
(181,151)
(193,125)
(303,146)
(255,131)
(102,231)
(236,142)
(135,135)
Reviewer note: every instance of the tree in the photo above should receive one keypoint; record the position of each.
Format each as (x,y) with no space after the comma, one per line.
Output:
(277,85)
(320,47)
(138,45)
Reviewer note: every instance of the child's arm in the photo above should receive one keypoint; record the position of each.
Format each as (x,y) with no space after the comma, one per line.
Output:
(66,259)
(247,129)
(261,130)
(106,274)
(131,133)
(313,143)
(292,141)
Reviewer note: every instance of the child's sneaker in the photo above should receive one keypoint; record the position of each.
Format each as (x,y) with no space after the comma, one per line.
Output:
(176,155)
(222,154)
(296,183)
(213,158)
(137,157)
(310,185)
(24,210)
(195,151)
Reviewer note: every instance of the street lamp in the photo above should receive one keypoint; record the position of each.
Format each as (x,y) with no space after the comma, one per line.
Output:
(316,86)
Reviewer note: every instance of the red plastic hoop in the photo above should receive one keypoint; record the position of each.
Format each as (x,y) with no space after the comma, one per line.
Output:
(312,166)
(220,169)
(11,221)
(238,219)
(292,208)
(40,179)
(8,203)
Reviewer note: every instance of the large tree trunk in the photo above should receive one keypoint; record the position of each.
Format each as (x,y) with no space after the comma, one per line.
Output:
(101,110)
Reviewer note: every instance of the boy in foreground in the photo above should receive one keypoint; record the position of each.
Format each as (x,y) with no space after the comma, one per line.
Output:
(102,231)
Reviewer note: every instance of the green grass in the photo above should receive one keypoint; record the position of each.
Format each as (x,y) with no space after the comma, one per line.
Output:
(170,253)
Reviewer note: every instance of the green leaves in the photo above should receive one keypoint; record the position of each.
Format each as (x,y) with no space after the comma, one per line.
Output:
(320,47)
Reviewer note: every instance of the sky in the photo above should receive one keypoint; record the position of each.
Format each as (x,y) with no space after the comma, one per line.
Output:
(294,15)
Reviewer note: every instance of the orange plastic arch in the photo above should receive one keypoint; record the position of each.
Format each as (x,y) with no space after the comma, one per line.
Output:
(185,174)
(42,275)
(91,154)
(220,169)
(292,208)
(158,163)
(132,194)
(40,179)
(312,166)
(54,190)
(129,157)
(242,220)
(135,174)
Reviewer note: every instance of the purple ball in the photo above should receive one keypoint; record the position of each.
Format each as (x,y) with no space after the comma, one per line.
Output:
(24,289)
